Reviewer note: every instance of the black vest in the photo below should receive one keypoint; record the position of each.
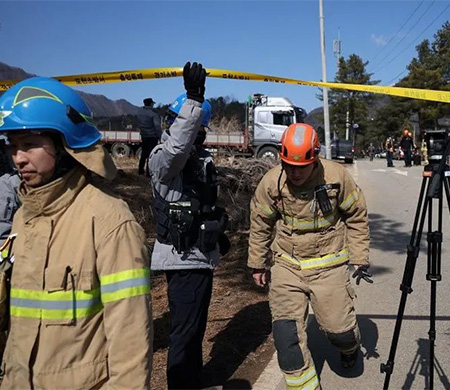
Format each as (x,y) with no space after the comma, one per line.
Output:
(194,219)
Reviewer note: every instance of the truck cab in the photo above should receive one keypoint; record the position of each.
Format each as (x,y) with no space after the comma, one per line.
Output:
(267,119)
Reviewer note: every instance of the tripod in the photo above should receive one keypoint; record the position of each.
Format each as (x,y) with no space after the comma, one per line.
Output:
(435,179)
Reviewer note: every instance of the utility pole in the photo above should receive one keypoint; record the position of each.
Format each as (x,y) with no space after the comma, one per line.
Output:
(326,114)
(337,52)
(337,46)
(347,121)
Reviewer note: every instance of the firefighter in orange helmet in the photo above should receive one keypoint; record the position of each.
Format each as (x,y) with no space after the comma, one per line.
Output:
(308,222)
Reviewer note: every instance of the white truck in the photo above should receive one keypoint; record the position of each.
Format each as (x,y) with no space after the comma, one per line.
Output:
(266,119)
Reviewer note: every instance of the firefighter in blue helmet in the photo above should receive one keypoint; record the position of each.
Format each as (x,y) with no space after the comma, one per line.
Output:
(79,307)
(189,225)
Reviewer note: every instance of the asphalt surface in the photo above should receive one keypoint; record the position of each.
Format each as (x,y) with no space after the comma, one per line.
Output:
(392,197)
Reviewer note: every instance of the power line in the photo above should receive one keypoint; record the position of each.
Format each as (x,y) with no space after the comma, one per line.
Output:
(401,40)
(395,35)
(395,78)
(415,39)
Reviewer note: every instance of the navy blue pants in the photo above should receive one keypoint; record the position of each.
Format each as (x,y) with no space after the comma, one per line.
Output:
(148,143)
(189,293)
(408,157)
(389,159)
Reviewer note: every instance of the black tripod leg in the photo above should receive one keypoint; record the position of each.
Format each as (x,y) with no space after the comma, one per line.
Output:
(434,270)
(408,274)
(434,275)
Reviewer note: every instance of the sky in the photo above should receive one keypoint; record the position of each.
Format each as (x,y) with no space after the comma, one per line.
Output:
(279,38)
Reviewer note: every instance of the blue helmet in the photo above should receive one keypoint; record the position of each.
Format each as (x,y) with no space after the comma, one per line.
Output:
(175,108)
(42,103)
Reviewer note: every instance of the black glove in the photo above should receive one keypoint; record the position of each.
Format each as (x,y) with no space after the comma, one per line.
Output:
(194,81)
(362,273)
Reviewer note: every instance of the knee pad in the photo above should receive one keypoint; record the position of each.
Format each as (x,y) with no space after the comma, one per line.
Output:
(290,357)
(345,341)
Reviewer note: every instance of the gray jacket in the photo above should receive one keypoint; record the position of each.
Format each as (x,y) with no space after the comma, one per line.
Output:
(166,163)
(9,203)
(149,123)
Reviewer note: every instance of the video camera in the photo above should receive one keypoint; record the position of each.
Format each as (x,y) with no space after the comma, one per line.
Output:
(436,143)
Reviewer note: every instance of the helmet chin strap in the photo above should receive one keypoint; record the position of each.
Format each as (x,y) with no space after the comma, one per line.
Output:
(64,162)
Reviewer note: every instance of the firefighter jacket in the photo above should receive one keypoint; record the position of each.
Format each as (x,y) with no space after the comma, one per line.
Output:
(288,225)
(80,293)
(167,165)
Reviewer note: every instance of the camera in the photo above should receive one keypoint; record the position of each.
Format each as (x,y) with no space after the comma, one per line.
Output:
(436,143)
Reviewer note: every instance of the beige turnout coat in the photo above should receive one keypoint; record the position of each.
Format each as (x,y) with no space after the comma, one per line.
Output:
(292,229)
(80,293)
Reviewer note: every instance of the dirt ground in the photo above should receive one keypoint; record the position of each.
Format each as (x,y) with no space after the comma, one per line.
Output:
(239,325)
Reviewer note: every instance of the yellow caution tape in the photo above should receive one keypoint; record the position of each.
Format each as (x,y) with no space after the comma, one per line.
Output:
(161,73)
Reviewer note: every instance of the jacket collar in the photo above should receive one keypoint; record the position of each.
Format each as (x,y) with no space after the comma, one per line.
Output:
(48,200)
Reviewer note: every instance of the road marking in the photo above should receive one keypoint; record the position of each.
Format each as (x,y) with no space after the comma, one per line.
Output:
(391,170)
(400,172)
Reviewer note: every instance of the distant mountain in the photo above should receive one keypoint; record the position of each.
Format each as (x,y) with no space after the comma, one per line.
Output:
(315,117)
(100,105)
(12,73)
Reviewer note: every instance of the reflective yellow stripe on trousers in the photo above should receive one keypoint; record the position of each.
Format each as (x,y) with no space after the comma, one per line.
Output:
(306,381)
(320,262)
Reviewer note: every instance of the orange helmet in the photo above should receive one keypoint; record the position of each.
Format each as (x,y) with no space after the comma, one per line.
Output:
(300,144)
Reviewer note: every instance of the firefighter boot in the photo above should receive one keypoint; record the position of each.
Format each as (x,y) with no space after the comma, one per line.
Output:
(349,361)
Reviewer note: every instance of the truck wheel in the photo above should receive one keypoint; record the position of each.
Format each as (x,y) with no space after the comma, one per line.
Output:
(138,153)
(349,161)
(120,150)
(268,152)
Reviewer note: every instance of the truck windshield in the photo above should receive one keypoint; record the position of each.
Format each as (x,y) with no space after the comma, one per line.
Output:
(285,118)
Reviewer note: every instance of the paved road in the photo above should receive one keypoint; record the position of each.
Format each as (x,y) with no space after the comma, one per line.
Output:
(392,196)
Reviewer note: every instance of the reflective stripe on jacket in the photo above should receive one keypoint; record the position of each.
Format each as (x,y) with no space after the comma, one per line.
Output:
(80,291)
(304,237)
(54,305)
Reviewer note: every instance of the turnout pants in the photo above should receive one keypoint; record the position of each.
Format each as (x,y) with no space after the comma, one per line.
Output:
(189,293)
(331,296)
